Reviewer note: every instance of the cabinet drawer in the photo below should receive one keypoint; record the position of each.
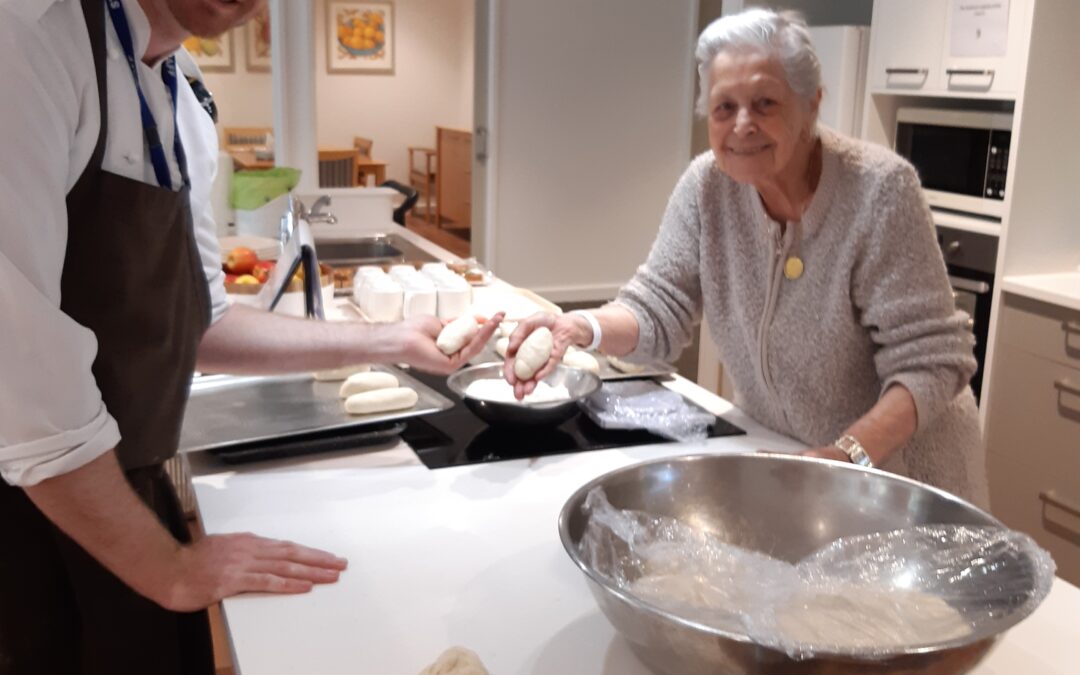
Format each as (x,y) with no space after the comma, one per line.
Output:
(1033,452)
(1040,328)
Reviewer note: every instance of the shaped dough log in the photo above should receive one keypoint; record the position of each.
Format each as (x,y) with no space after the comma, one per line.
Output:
(533,353)
(507,328)
(501,346)
(381,400)
(583,360)
(456,661)
(339,374)
(361,382)
(625,366)
(456,334)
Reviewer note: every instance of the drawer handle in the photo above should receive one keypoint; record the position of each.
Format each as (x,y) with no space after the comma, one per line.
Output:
(907,71)
(1067,387)
(1051,498)
(970,71)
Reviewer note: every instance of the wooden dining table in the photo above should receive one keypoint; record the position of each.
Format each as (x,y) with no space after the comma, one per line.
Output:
(246,160)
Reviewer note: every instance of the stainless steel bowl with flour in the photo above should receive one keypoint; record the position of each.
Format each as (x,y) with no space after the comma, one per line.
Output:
(773,514)
(487,394)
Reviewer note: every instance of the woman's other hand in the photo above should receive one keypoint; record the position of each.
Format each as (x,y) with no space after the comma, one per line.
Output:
(566,330)
(827,452)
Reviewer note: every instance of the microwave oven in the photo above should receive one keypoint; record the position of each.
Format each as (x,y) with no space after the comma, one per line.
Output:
(962,156)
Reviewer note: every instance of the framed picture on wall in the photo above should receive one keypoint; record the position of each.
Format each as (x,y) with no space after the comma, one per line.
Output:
(360,37)
(213,55)
(257,42)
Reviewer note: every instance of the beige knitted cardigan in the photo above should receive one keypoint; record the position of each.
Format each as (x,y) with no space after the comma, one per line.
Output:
(811,355)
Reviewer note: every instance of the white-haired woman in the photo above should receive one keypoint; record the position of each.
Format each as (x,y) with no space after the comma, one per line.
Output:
(813,259)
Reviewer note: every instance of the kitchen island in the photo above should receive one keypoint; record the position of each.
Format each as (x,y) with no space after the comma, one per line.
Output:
(471,556)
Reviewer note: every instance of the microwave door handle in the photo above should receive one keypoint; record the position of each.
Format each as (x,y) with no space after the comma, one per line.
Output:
(976,287)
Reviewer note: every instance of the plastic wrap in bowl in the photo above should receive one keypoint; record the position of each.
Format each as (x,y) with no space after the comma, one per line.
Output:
(785,510)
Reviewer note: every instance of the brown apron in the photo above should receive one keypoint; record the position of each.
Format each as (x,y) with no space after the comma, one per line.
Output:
(132,275)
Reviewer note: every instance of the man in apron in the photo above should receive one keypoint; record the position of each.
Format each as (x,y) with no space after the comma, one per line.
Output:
(97,572)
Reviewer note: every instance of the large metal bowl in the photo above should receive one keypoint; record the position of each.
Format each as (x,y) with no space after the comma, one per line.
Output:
(787,507)
(580,383)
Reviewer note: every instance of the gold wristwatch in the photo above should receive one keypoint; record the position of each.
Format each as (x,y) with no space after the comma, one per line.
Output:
(851,447)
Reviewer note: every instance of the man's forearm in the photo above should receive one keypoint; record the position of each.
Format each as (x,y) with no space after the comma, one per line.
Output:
(95,506)
(248,340)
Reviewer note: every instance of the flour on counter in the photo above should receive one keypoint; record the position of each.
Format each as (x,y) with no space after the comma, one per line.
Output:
(500,391)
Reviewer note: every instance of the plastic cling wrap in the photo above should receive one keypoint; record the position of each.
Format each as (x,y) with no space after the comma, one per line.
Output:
(646,405)
(871,596)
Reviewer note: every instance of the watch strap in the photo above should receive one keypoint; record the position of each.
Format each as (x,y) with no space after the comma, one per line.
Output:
(851,447)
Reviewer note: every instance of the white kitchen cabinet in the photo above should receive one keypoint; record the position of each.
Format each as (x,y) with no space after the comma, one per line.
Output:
(905,45)
(997,76)
(1033,448)
(912,47)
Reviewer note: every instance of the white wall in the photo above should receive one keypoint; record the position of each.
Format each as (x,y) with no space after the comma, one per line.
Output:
(590,131)
(432,85)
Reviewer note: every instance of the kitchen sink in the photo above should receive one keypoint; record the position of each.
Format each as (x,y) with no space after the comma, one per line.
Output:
(374,250)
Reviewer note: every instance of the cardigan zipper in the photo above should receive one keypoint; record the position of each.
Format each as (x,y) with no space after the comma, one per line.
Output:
(776,271)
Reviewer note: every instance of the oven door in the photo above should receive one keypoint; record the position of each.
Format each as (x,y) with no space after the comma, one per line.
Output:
(973,296)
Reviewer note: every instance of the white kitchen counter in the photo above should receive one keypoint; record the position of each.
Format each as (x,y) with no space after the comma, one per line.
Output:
(471,556)
(1057,289)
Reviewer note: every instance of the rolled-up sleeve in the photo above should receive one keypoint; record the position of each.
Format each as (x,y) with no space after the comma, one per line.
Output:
(52,418)
(664,294)
(902,291)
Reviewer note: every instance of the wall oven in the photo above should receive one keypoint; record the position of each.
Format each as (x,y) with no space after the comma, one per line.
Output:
(962,156)
(970,258)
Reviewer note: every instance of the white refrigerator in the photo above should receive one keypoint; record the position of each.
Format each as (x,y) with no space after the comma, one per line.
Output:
(843,52)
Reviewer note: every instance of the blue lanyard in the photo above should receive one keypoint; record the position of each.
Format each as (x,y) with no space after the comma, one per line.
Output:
(150,130)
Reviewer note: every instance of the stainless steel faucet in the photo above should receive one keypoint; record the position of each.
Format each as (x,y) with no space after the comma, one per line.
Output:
(297,211)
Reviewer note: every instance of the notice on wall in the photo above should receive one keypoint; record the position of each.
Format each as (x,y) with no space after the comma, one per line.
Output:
(979,27)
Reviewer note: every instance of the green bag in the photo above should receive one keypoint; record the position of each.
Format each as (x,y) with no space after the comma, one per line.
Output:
(252,189)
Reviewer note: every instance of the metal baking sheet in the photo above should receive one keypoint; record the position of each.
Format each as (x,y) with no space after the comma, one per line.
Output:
(608,372)
(225,410)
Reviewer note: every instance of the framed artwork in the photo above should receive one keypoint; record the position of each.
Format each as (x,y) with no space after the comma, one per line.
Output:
(213,55)
(360,37)
(257,41)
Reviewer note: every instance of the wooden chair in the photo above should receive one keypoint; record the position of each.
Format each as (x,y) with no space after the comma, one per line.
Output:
(422,176)
(337,168)
(363,147)
(246,138)
(453,186)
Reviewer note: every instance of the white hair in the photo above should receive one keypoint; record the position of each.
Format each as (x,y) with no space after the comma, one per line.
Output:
(780,35)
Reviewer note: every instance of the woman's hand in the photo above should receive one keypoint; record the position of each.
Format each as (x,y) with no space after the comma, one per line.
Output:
(827,452)
(565,329)
(417,336)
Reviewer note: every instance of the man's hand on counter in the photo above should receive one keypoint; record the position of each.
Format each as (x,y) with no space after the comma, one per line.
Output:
(220,566)
(417,339)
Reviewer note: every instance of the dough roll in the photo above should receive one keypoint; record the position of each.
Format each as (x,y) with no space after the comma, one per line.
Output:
(362,382)
(381,400)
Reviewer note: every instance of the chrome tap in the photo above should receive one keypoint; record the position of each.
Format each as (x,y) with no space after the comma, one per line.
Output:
(316,214)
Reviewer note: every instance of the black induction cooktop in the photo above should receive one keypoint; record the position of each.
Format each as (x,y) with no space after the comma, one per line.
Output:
(456,436)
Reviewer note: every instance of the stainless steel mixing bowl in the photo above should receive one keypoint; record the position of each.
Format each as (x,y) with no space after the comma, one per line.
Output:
(785,506)
(580,383)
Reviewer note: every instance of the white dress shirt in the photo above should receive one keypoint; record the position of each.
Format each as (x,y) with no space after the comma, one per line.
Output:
(52,418)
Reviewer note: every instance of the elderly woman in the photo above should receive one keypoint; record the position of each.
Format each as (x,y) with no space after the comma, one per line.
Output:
(813,259)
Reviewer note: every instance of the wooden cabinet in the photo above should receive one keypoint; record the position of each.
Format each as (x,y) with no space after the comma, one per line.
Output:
(1033,424)
(912,51)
